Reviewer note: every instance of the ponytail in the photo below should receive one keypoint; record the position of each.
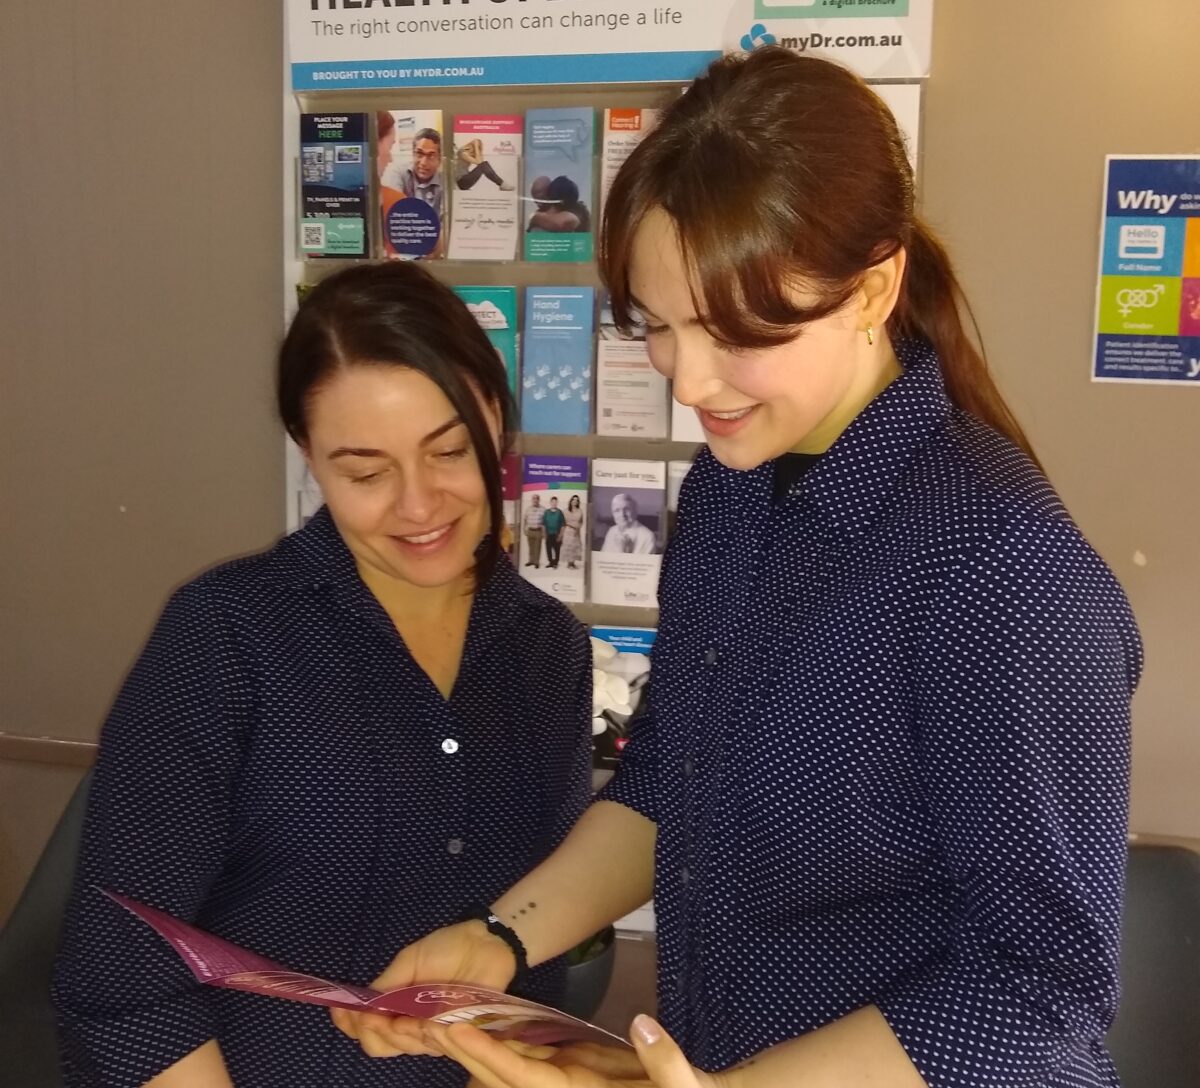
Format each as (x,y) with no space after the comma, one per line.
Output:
(932,307)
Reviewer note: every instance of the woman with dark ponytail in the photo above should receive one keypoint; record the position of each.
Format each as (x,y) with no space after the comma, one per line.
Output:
(880,791)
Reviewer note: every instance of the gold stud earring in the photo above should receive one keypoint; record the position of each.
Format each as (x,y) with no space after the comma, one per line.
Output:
(870,336)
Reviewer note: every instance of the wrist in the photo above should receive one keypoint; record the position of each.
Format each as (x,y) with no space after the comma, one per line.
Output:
(502,932)
(480,932)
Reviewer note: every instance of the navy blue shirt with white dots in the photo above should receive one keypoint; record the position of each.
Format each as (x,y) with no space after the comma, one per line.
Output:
(887,751)
(278,770)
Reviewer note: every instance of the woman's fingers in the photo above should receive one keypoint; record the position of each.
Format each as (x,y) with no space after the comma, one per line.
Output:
(530,1050)
(664,1062)
(494,1064)
(343,1020)
(383,1036)
(609,1061)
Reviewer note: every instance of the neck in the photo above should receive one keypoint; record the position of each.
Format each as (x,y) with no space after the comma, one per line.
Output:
(417,603)
(874,379)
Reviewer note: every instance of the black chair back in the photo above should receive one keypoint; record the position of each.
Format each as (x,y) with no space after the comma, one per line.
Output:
(1155,1040)
(28,947)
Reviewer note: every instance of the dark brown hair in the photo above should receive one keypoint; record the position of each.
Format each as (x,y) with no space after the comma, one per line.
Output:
(778,169)
(398,315)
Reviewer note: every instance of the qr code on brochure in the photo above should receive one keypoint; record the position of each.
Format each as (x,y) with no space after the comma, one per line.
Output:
(312,235)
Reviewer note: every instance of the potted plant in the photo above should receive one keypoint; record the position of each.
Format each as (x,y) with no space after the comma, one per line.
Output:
(589,971)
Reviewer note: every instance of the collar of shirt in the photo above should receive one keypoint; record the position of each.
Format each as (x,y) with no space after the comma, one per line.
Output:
(325,565)
(433,185)
(848,486)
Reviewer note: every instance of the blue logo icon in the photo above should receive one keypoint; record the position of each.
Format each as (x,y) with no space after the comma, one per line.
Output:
(758,35)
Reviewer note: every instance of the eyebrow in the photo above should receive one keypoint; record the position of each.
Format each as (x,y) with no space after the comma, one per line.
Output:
(645,311)
(363,451)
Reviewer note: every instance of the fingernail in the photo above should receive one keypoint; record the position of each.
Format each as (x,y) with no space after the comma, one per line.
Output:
(646,1029)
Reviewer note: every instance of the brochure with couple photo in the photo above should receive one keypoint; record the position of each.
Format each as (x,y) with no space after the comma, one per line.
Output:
(217,962)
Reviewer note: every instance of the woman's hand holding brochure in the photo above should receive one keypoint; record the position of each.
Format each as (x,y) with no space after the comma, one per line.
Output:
(464,953)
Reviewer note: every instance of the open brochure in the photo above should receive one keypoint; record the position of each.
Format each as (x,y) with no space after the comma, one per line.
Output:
(218,962)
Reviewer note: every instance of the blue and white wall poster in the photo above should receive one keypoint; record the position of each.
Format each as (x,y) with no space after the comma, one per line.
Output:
(355,44)
(1148,290)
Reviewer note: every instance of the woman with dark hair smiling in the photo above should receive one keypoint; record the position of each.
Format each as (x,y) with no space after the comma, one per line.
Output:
(328,749)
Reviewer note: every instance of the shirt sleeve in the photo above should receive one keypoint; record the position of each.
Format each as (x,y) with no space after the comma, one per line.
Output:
(578,791)
(635,785)
(547,982)
(1024,673)
(156,830)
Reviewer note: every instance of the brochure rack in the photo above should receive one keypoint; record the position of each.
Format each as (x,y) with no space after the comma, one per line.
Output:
(454,101)
(428,60)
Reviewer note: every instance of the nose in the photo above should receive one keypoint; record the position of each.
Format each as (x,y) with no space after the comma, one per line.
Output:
(416,498)
(694,375)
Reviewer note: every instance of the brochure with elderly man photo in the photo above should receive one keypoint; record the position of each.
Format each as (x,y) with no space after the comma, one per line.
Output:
(628,531)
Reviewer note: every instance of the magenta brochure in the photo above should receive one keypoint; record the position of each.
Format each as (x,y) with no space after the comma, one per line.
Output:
(218,962)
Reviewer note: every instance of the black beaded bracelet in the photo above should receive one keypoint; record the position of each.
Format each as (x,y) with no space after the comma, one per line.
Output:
(506,934)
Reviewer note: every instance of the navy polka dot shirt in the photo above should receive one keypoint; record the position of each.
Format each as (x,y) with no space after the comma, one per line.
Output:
(887,753)
(278,770)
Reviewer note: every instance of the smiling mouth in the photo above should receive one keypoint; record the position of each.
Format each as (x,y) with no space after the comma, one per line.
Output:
(730,416)
(431,537)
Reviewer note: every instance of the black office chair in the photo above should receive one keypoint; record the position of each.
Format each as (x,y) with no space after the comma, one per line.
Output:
(28,946)
(1155,1039)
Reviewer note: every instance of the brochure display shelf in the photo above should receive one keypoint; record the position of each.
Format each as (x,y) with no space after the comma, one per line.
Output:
(522,274)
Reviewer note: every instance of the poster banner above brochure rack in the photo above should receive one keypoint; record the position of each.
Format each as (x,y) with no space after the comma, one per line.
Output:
(356,44)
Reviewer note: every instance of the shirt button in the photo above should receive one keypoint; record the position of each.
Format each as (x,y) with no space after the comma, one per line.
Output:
(455,846)
(710,656)
(449,746)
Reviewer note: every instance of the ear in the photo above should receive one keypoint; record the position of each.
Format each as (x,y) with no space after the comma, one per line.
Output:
(880,289)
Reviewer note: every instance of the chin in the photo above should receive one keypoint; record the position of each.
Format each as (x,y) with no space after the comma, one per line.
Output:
(433,579)
(737,456)
(432,574)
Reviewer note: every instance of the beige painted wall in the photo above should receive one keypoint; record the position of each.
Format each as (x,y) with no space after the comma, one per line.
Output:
(1025,101)
(140,305)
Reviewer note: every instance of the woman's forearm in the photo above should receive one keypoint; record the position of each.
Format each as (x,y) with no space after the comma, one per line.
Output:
(858,1051)
(603,870)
